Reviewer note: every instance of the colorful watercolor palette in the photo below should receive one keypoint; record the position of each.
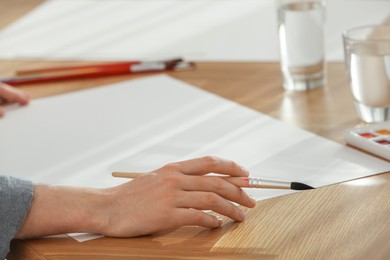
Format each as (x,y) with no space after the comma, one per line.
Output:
(373,138)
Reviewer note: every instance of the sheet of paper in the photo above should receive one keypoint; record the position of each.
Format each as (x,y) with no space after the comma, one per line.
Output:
(79,138)
(82,237)
(151,29)
(139,125)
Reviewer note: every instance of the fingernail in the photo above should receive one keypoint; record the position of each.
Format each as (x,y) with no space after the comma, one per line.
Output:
(242,215)
(219,221)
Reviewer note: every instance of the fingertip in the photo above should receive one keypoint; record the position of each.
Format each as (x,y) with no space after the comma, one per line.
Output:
(218,221)
(253,201)
(24,99)
(200,218)
(212,222)
(27,98)
(236,169)
(242,215)
(244,170)
(249,202)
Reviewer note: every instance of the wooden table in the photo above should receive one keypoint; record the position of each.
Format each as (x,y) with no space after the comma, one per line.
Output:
(344,221)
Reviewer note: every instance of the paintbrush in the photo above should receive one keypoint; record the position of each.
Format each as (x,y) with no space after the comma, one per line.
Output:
(244,182)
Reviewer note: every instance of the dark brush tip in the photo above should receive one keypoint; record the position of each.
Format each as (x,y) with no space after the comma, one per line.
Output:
(300,186)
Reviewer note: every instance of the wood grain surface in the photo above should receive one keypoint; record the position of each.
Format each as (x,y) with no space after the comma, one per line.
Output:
(344,221)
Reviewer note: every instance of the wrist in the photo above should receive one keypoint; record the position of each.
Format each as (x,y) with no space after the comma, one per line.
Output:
(92,213)
(59,210)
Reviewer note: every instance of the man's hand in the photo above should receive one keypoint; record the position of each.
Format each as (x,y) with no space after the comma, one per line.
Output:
(9,95)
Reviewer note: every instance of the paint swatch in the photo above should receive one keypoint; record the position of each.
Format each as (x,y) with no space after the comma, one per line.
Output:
(373,138)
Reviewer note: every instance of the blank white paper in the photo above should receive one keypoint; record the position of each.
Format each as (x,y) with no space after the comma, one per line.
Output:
(199,30)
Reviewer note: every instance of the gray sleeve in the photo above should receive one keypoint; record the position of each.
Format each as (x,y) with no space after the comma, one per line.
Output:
(15,201)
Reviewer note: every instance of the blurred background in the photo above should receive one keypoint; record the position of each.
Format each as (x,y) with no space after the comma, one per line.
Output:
(198,30)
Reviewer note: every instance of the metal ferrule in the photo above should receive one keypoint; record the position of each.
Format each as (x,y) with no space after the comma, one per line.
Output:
(260,183)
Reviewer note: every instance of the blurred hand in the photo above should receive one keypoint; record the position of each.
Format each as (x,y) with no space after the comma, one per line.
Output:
(9,95)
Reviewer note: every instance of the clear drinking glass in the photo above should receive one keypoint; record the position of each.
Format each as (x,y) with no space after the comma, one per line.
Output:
(367,60)
(301,39)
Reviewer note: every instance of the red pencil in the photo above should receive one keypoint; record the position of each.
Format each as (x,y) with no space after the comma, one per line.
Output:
(98,70)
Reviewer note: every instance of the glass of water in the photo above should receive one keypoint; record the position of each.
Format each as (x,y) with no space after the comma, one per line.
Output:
(301,38)
(367,60)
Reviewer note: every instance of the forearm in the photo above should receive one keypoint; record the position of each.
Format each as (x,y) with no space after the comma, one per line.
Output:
(59,210)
